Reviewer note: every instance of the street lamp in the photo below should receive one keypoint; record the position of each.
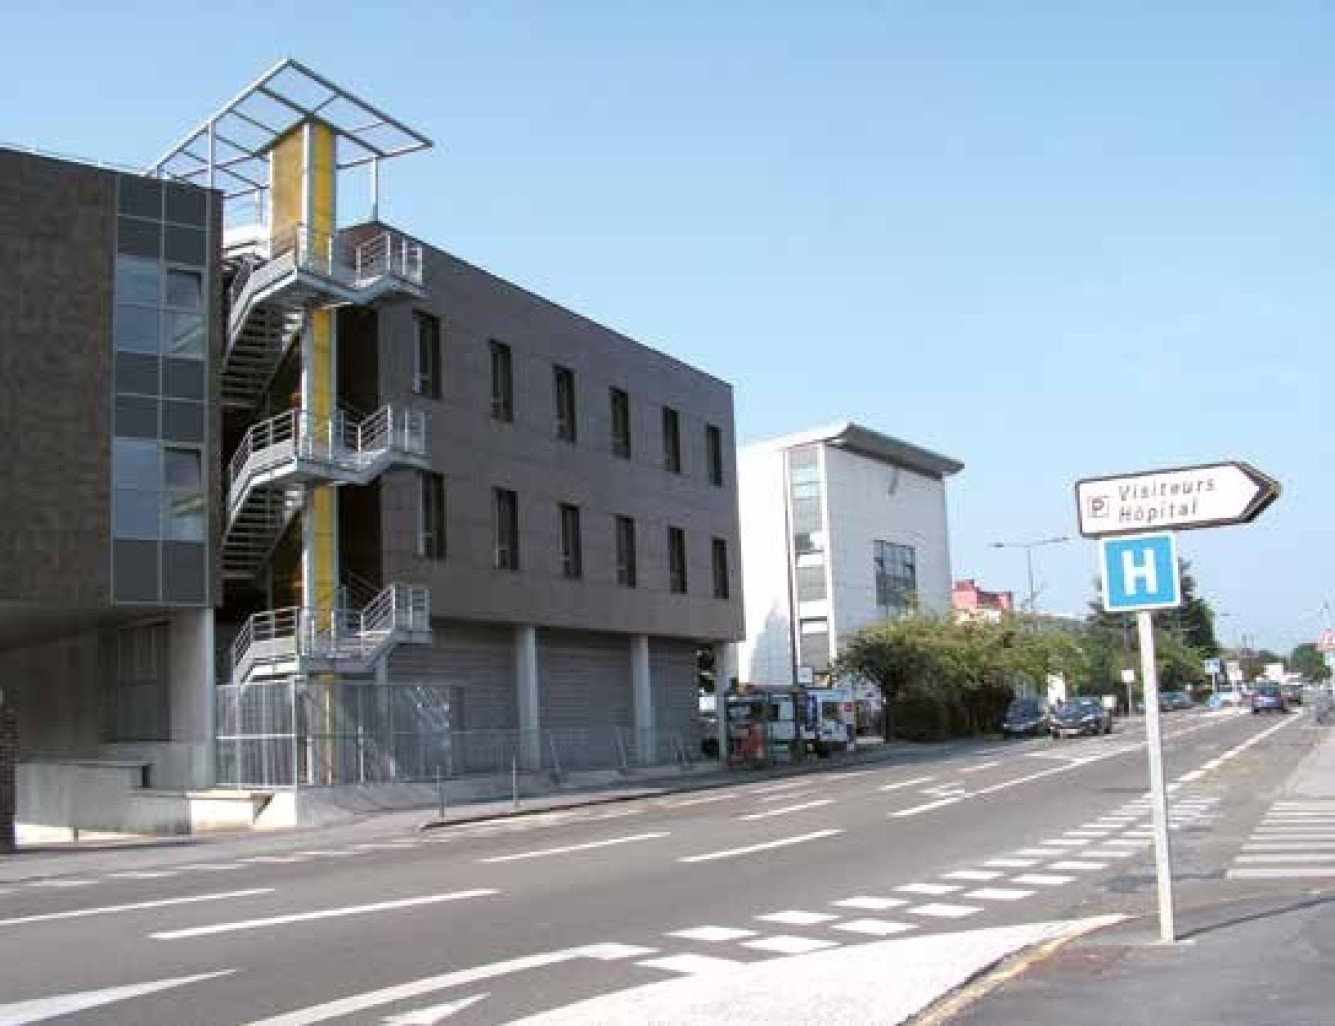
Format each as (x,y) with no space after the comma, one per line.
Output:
(1029,547)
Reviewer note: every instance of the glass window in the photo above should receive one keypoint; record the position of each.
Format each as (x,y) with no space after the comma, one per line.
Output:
(625,543)
(182,378)
(896,570)
(137,374)
(431,516)
(671,440)
(137,329)
(140,238)
(183,516)
(185,246)
(426,365)
(181,469)
(186,204)
(714,453)
(183,421)
(134,570)
(185,334)
(185,289)
(502,382)
(135,514)
(722,579)
(620,424)
(139,196)
(137,280)
(572,545)
(814,644)
(136,417)
(676,542)
(810,583)
(567,428)
(135,464)
(507,529)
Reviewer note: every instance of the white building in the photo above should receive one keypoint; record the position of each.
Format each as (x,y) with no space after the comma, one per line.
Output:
(842,527)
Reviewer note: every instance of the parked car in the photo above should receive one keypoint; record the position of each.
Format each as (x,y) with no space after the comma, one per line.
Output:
(1269,698)
(1026,717)
(1171,701)
(1081,716)
(1292,692)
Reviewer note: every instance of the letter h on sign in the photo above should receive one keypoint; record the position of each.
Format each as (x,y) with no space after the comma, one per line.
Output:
(1139,572)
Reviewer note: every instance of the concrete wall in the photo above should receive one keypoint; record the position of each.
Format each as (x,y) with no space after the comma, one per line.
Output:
(477,454)
(56,689)
(765,656)
(868,501)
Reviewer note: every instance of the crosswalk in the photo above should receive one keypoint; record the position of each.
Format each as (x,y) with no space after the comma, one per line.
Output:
(1295,840)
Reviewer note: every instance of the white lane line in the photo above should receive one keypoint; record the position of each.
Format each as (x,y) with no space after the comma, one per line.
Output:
(275,860)
(981,875)
(938,910)
(324,913)
(617,814)
(874,927)
(1065,842)
(915,810)
(787,796)
(1042,879)
(107,910)
(905,783)
(800,807)
(785,944)
(62,883)
(869,903)
(781,787)
(796,917)
(1312,857)
(982,766)
(783,842)
(707,799)
(143,874)
(1088,833)
(847,774)
(347,854)
(568,848)
(690,965)
(1011,863)
(1195,774)
(214,867)
(1126,842)
(1073,864)
(1110,853)
(1276,873)
(60,1005)
(930,889)
(712,934)
(1315,846)
(999,893)
(1040,852)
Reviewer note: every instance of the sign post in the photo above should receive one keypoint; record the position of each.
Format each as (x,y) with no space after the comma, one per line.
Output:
(1140,575)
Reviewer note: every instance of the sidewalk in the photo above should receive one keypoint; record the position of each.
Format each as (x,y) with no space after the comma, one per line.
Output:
(1253,962)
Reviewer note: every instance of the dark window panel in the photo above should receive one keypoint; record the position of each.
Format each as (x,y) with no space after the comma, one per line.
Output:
(625,549)
(182,379)
(137,374)
(186,246)
(185,290)
(431,516)
(136,417)
(572,544)
(507,529)
(186,205)
(138,280)
(183,334)
(138,238)
(138,329)
(134,570)
(183,421)
(722,578)
(567,417)
(134,514)
(141,197)
(714,453)
(184,572)
(676,539)
(136,464)
(671,440)
(502,382)
(427,378)
(621,441)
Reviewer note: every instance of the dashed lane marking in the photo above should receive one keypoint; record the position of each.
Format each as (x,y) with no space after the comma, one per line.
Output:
(691,965)
(869,903)
(796,917)
(568,849)
(751,849)
(941,910)
(930,889)
(786,944)
(1012,863)
(1074,864)
(712,934)
(905,783)
(972,874)
(1043,879)
(786,809)
(874,927)
(106,910)
(999,893)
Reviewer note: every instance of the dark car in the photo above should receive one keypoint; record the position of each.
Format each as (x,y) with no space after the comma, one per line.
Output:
(1081,716)
(1026,717)
(1170,701)
(1269,698)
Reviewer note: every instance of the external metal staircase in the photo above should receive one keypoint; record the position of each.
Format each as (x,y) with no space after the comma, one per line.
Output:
(268,298)
(298,641)
(278,456)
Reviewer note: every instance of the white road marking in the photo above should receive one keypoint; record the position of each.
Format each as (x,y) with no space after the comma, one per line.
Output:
(712,934)
(1312,857)
(1277,873)
(691,964)
(435,1014)
(915,810)
(707,799)
(461,978)
(800,807)
(982,766)
(1109,853)
(142,874)
(783,842)
(1040,852)
(569,848)
(999,893)
(40,1009)
(1073,864)
(931,889)
(939,910)
(1042,879)
(266,860)
(1065,842)
(787,796)
(785,944)
(905,783)
(617,814)
(1195,774)
(869,903)
(874,927)
(781,787)
(796,917)
(1322,846)
(107,910)
(971,874)
(214,867)
(1088,834)
(1011,863)
(324,913)
(62,883)
(346,854)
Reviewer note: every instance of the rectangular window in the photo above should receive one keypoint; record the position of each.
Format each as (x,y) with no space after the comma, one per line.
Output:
(502,383)
(811,583)
(714,453)
(676,542)
(722,579)
(563,381)
(625,528)
(137,280)
(671,440)
(431,515)
(427,355)
(184,334)
(814,644)
(185,290)
(620,424)
(572,549)
(896,569)
(507,529)
(138,329)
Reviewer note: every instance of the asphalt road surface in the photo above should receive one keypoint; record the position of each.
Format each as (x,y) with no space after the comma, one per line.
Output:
(495,922)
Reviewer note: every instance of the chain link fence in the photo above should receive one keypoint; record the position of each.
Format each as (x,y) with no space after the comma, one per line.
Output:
(302,733)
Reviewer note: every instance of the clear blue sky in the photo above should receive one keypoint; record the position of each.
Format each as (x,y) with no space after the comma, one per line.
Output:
(1052,239)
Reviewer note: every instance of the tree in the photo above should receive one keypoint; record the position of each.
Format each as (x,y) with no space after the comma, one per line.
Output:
(892,656)
(1308,662)
(1192,622)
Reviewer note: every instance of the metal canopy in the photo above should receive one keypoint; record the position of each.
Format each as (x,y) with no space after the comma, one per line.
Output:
(229,150)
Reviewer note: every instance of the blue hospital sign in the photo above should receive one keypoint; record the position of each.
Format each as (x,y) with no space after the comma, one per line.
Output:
(1139,572)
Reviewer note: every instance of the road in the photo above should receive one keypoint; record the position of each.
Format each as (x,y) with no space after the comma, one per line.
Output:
(494,922)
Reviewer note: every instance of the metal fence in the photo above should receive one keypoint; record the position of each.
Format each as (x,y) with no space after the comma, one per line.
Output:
(307,733)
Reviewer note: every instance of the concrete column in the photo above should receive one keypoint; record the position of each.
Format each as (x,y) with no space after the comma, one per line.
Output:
(188,759)
(642,700)
(526,684)
(725,669)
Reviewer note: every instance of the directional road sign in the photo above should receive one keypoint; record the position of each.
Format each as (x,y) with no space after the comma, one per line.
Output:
(1139,573)
(1211,495)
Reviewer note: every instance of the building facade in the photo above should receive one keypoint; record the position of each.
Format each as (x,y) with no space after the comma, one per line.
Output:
(306,501)
(971,602)
(842,527)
